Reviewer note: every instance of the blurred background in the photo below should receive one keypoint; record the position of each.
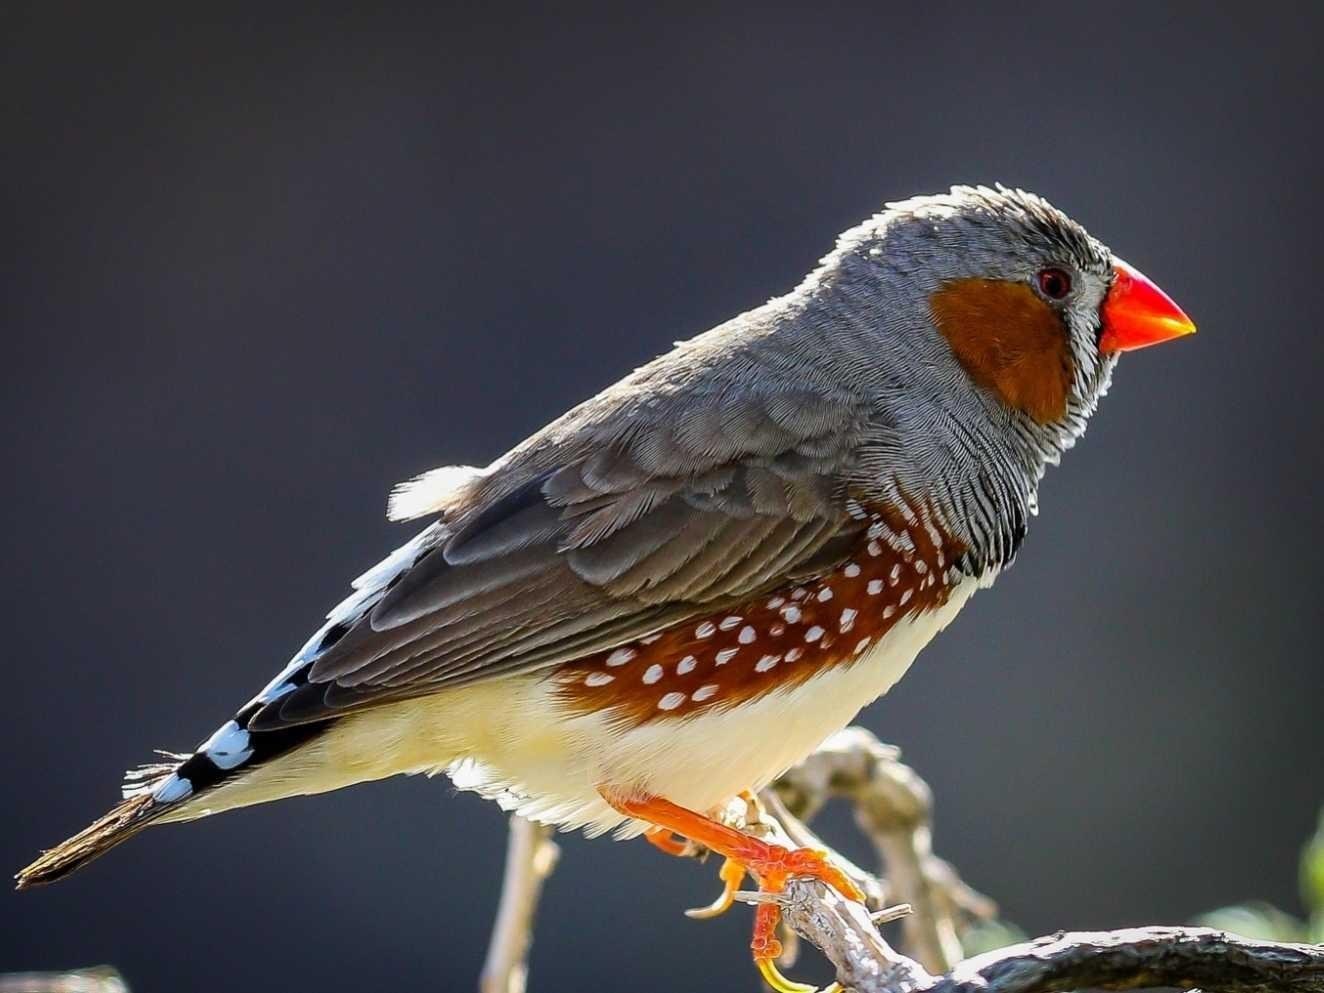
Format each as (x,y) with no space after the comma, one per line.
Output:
(258,267)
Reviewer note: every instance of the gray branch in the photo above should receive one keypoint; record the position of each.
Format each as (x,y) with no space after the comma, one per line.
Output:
(530,858)
(1133,958)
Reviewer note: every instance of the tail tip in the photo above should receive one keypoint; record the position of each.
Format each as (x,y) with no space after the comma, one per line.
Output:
(119,824)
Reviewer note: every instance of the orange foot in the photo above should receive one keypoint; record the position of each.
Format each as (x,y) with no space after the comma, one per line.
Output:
(772,865)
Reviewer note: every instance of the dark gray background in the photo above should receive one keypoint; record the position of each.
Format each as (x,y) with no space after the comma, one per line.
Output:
(256,270)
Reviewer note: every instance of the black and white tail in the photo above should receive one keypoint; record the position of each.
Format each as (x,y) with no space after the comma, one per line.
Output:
(174,789)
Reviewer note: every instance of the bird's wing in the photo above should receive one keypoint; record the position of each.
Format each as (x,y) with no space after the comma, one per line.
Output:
(589,541)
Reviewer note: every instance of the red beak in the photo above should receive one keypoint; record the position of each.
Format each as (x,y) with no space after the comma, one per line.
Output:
(1137,313)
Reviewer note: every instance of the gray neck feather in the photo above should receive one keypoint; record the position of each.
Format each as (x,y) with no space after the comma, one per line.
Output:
(933,435)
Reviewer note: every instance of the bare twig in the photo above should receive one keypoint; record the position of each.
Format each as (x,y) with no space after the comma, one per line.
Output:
(1134,958)
(893,807)
(100,979)
(530,857)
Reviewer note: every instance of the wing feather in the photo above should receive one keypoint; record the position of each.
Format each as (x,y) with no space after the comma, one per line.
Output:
(584,540)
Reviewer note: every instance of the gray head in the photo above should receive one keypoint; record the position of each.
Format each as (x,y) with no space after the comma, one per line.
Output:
(987,323)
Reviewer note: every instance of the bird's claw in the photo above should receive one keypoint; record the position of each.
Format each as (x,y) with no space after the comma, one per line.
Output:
(774,978)
(732,875)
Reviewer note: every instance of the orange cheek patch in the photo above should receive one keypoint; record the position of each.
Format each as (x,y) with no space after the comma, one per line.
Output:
(1009,341)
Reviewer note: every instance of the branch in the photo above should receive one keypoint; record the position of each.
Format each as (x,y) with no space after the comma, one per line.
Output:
(1135,958)
(530,858)
(100,979)
(1129,959)
(893,807)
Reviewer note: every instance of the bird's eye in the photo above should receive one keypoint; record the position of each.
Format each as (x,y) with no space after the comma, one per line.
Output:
(1054,283)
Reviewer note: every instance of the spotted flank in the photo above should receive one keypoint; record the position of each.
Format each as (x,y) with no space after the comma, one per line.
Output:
(903,565)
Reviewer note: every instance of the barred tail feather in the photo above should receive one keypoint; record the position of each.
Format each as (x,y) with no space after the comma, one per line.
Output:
(122,822)
(241,765)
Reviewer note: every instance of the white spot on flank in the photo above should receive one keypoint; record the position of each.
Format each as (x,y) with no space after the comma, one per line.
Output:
(875,549)
(888,611)
(621,656)
(825,594)
(934,536)
(705,630)
(864,643)
(652,674)
(650,639)
(729,622)
(848,619)
(671,701)
(686,664)
(905,597)
(747,635)
(814,633)
(792,615)
(766,663)
(851,571)
(895,574)
(704,692)
(921,566)
(598,679)
(798,593)
(777,630)
(941,561)
(726,655)
(875,529)
(776,602)
(794,653)
(174,787)
(875,587)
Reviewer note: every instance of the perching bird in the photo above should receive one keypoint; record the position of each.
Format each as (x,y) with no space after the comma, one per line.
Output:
(678,589)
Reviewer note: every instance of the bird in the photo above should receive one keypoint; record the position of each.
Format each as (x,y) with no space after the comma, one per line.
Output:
(679,588)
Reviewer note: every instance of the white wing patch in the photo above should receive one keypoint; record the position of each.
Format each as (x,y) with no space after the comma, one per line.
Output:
(431,493)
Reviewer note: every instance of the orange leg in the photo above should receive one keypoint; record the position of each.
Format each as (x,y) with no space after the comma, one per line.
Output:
(772,865)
